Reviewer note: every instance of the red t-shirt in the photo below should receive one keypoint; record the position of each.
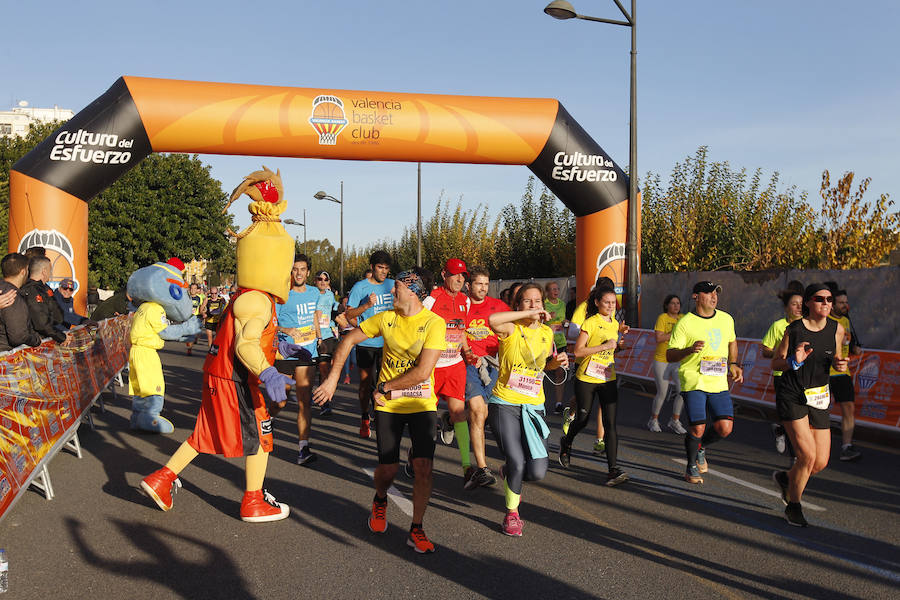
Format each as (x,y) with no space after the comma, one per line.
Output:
(453,310)
(482,340)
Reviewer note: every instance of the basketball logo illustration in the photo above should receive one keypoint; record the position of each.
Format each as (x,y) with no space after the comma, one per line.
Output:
(867,376)
(59,251)
(328,119)
(611,263)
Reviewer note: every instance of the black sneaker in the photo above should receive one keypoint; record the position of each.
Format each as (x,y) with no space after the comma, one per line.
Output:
(849,453)
(306,456)
(326,409)
(781,480)
(557,410)
(480,478)
(616,476)
(793,514)
(565,452)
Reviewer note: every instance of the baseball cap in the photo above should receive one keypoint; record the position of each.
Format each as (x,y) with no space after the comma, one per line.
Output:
(455,266)
(706,287)
(325,273)
(67,283)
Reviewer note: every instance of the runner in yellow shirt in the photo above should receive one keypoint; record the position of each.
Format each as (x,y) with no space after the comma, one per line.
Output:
(793,310)
(516,406)
(596,378)
(703,341)
(404,395)
(666,373)
(841,383)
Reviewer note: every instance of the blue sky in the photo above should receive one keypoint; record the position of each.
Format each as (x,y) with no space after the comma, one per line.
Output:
(794,87)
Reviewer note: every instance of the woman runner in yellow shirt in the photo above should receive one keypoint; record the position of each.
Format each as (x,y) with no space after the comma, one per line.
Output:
(516,407)
(596,378)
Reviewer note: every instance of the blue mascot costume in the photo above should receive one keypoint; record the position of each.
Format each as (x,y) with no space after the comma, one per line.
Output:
(165,312)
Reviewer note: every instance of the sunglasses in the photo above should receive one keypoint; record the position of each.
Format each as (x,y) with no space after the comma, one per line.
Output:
(67,288)
(823,299)
(322,279)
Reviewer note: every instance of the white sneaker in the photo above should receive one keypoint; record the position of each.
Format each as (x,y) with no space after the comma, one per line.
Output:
(653,425)
(676,427)
(447,430)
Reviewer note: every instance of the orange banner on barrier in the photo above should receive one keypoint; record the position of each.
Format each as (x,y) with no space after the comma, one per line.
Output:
(876,377)
(43,393)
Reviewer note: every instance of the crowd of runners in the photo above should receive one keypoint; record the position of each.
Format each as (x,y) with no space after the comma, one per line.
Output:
(424,343)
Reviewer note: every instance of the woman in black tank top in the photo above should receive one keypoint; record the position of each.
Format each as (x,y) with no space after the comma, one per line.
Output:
(809,347)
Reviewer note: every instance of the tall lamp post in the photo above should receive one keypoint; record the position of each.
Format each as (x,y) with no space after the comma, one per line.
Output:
(561,9)
(323,196)
(303,225)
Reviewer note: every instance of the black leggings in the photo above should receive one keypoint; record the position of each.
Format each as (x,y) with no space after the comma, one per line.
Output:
(506,423)
(608,397)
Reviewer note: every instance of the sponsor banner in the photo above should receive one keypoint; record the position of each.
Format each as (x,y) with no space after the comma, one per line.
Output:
(45,390)
(875,373)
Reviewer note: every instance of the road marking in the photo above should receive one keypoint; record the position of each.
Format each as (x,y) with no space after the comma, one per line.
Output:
(752,486)
(560,500)
(402,502)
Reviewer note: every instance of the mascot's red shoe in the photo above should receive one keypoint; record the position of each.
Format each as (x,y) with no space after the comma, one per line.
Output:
(260,506)
(161,485)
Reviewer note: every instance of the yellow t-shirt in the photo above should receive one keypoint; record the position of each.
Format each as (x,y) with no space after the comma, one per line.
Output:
(580,314)
(523,355)
(664,324)
(706,370)
(404,340)
(773,338)
(145,375)
(845,347)
(599,367)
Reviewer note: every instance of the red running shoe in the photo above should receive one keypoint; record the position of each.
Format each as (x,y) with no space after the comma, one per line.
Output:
(160,486)
(260,507)
(378,519)
(364,431)
(512,524)
(419,542)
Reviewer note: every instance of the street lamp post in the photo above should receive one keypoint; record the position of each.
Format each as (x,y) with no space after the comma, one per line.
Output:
(323,196)
(303,225)
(561,9)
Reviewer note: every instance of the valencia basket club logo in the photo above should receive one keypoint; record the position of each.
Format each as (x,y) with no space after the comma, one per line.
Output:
(59,251)
(611,263)
(328,119)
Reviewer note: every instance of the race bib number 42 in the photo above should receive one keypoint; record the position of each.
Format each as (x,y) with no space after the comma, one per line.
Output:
(525,381)
(714,365)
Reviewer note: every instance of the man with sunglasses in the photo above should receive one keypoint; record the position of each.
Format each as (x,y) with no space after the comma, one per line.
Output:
(63,297)
(704,342)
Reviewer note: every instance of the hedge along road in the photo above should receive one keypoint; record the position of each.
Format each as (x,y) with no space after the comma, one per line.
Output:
(653,537)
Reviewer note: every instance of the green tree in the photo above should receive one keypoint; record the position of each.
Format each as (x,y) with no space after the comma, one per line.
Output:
(168,205)
(711,217)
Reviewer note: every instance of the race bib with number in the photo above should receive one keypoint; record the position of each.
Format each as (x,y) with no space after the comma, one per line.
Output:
(454,338)
(714,365)
(304,335)
(420,390)
(598,370)
(817,397)
(324,320)
(525,381)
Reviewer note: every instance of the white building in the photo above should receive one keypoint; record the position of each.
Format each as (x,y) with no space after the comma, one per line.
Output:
(17,121)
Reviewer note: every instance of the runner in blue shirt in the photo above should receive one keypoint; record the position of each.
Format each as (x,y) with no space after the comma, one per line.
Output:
(326,305)
(368,298)
(296,323)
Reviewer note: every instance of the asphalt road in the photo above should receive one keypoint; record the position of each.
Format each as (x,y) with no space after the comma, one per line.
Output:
(653,537)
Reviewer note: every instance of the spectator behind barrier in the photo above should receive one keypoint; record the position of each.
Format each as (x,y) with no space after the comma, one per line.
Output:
(15,324)
(64,298)
(44,311)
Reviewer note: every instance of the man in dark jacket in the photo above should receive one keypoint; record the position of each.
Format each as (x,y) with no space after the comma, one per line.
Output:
(15,323)
(63,296)
(44,311)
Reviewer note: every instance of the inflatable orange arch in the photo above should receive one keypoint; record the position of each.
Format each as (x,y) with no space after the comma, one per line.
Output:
(51,186)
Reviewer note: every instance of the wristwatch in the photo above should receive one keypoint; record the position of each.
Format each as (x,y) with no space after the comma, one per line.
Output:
(380,388)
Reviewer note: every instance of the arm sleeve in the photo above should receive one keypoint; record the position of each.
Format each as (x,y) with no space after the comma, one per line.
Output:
(372,326)
(252,313)
(679,337)
(18,326)
(435,335)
